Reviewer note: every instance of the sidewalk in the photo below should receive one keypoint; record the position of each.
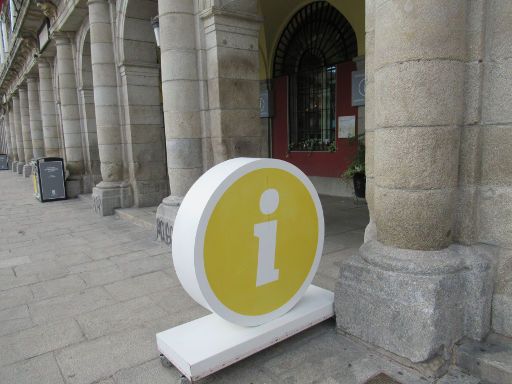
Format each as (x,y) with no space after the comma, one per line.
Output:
(82,297)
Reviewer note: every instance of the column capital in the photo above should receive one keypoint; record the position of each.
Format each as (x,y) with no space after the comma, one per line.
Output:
(90,2)
(32,78)
(62,38)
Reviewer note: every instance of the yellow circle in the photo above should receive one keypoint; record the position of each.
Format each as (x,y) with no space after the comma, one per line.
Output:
(231,246)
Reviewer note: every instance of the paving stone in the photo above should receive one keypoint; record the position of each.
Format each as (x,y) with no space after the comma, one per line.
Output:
(127,257)
(37,370)
(9,282)
(103,276)
(58,287)
(14,297)
(13,262)
(43,269)
(38,340)
(141,285)
(179,305)
(146,265)
(150,372)
(90,361)
(91,266)
(119,317)
(69,305)
(71,258)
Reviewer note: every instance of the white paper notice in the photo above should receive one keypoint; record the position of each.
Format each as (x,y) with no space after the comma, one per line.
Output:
(346,127)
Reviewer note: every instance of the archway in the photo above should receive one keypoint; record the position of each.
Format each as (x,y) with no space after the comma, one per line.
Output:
(141,101)
(312,66)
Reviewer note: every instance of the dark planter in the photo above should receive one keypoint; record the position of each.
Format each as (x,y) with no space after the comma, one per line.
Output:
(360,185)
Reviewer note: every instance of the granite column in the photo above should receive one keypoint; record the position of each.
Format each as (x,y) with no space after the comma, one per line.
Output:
(48,113)
(34,109)
(19,135)
(411,290)
(112,192)
(25,129)
(70,116)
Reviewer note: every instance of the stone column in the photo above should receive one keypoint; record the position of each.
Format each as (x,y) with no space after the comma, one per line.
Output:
(34,109)
(25,129)
(70,116)
(3,138)
(7,130)
(111,192)
(410,290)
(14,145)
(181,99)
(48,114)
(19,135)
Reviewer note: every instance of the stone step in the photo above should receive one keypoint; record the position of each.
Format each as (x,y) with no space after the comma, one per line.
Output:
(142,217)
(491,360)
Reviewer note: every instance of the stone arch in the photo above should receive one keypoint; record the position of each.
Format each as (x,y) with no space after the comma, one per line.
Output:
(86,106)
(141,100)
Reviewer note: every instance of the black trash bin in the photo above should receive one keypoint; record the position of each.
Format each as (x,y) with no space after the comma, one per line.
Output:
(49,179)
(4,162)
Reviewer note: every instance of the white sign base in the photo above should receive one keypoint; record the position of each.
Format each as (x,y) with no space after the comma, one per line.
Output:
(206,345)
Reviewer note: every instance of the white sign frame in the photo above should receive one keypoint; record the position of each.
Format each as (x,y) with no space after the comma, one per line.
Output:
(190,228)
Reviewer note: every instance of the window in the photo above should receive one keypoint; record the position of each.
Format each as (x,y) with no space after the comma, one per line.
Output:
(316,39)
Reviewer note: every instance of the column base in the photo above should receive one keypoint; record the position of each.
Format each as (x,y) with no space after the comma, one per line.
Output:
(14,166)
(73,188)
(107,197)
(416,304)
(27,170)
(165,216)
(20,166)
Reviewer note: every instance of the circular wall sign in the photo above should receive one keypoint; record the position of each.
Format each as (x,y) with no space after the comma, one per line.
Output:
(248,238)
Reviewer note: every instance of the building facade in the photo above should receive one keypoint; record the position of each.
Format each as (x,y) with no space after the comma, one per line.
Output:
(139,116)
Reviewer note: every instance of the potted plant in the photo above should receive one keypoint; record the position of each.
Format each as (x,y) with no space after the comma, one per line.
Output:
(356,170)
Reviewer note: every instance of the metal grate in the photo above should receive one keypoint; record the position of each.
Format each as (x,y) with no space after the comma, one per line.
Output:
(318,35)
(382,379)
(312,109)
(317,38)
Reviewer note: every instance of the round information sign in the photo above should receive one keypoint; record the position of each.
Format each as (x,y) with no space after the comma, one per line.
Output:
(248,239)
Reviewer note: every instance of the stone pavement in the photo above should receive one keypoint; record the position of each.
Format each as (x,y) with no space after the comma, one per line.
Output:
(82,297)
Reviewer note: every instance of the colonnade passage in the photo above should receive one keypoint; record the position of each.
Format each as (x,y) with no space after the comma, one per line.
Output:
(142,97)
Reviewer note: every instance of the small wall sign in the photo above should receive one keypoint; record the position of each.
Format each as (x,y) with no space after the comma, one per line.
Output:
(358,88)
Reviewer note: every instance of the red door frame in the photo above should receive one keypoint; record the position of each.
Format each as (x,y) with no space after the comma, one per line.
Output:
(326,164)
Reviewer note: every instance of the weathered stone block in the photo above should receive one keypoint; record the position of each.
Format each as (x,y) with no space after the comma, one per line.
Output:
(404,93)
(415,304)
(406,30)
(498,32)
(496,155)
(417,158)
(496,97)
(107,199)
(495,216)
(414,219)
